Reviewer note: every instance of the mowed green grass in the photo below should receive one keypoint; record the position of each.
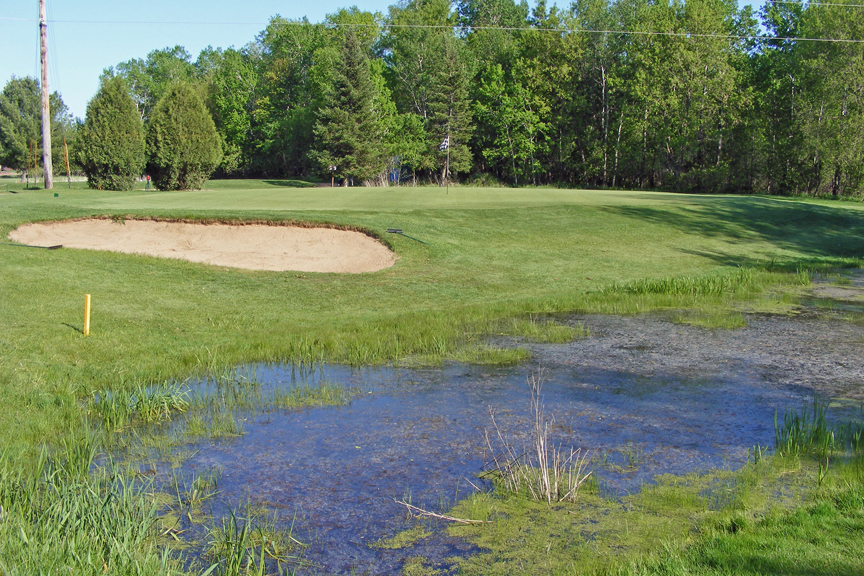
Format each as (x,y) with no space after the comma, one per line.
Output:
(487,254)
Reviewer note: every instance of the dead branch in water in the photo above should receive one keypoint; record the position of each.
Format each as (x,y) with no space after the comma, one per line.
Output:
(415,511)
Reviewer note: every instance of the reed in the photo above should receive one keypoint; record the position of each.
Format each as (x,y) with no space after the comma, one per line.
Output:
(546,472)
(807,431)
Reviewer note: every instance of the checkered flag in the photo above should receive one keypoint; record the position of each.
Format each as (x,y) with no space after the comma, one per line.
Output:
(445,144)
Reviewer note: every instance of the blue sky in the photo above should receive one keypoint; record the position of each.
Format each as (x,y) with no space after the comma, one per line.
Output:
(82,43)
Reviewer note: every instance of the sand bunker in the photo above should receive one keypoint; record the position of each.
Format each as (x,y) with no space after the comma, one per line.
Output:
(253,246)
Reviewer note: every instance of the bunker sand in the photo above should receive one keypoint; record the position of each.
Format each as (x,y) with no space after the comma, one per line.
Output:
(252,246)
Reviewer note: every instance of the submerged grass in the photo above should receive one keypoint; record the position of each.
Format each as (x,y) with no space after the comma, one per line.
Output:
(403,539)
(214,408)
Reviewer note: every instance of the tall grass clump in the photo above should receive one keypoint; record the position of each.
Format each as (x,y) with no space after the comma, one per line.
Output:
(713,285)
(247,546)
(546,472)
(140,403)
(807,432)
(56,520)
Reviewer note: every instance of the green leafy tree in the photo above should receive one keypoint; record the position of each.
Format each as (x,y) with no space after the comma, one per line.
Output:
(778,163)
(349,129)
(148,79)
(110,145)
(492,39)
(514,119)
(232,82)
(21,124)
(831,112)
(285,106)
(182,143)
(548,68)
(406,143)
(430,70)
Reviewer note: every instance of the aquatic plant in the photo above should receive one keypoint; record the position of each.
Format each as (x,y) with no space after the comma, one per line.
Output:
(545,471)
(140,403)
(244,546)
(807,432)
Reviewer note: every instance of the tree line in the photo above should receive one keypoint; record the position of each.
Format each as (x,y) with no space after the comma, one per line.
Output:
(696,96)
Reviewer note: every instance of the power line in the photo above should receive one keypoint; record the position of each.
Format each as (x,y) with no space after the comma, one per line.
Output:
(718,36)
(816,3)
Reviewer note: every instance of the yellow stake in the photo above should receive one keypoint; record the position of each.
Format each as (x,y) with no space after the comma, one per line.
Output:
(86,315)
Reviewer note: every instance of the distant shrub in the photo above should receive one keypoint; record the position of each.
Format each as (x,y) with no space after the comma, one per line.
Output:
(183,146)
(110,144)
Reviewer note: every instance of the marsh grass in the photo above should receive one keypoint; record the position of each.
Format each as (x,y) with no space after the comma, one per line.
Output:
(546,472)
(840,280)
(305,396)
(537,328)
(140,403)
(711,285)
(673,517)
(57,520)
(807,432)
(714,319)
(796,509)
(252,546)
(178,414)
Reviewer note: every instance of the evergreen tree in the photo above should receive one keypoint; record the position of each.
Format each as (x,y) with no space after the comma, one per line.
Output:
(183,146)
(449,116)
(348,129)
(110,144)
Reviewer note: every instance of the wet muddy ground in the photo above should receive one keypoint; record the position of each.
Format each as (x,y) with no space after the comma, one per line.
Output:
(644,395)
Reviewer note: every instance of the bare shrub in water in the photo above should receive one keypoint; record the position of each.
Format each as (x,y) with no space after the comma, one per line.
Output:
(546,472)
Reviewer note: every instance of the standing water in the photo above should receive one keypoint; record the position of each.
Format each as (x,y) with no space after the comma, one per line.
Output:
(644,396)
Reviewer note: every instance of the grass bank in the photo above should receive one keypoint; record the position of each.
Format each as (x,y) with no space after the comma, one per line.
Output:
(491,262)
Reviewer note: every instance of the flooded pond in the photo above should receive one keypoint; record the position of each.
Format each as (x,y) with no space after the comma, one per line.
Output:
(645,396)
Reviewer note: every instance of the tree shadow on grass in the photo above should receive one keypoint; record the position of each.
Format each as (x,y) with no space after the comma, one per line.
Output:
(813,230)
(290,183)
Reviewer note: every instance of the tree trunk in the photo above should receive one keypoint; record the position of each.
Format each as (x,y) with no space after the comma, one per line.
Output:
(617,147)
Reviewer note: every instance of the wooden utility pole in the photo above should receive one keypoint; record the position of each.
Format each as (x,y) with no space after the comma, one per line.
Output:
(46,105)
